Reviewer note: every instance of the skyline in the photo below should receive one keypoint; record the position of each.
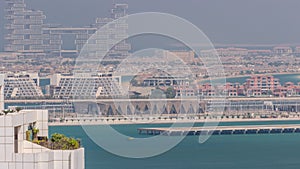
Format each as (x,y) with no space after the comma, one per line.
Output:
(232,22)
(159,88)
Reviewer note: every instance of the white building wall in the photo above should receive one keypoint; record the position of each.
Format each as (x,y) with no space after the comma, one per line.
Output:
(29,155)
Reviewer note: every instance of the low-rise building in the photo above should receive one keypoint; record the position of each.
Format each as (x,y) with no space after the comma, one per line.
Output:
(187,57)
(206,90)
(184,91)
(261,85)
(282,50)
(256,86)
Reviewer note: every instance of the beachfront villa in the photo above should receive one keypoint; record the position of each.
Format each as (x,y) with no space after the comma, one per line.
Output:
(255,86)
(24,143)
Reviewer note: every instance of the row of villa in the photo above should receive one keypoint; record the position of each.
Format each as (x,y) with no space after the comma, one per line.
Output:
(256,86)
(262,85)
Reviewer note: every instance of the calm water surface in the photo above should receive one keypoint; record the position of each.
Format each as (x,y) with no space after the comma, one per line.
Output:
(278,151)
(295,78)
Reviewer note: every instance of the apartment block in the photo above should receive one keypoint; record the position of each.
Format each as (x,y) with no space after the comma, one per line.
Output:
(24,28)
(85,86)
(22,85)
(28,34)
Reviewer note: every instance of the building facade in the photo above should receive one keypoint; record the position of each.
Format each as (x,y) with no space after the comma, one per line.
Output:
(282,50)
(28,34)
(17,152)
(117,31)
(85,86)
(256,86)
(24,28)
(22,85)
(53,38)
(261,85)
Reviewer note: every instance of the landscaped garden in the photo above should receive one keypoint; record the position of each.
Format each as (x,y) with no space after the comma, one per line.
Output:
(56,142)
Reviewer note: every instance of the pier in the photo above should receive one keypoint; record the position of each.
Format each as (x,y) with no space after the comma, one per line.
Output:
(222,130)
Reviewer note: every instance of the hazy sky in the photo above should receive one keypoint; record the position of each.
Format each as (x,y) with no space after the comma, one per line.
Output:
(224,21)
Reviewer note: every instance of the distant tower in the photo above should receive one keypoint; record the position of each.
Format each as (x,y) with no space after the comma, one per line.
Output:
(116,31)
(119,10)
(24,27)
(120,31)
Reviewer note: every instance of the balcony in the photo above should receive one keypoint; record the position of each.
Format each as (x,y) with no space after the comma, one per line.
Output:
(57,141)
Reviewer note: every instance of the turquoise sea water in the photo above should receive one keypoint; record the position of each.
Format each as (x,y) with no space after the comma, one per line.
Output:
(276,151)
(295,78)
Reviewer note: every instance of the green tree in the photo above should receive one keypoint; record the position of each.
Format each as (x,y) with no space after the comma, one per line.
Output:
(61,141)
(18,109)
(170,93)
(5,111)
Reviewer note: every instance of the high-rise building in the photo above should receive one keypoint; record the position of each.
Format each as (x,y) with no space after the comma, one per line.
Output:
(28,34)
(54,38)
(24,28)
(119,10)
(116,31)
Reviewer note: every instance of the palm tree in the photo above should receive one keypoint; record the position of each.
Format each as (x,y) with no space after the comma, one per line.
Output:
(18,109)
(5,111)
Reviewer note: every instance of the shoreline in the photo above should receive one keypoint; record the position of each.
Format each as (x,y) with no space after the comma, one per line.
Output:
(243,76)
(169,121)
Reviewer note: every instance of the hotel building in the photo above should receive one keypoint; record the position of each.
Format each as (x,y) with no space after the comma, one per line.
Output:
(85,86)
(54,36)
(28,35)
(24,28)
(115,32)
(22,85)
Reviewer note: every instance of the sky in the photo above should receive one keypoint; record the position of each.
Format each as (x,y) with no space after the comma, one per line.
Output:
(223,21)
